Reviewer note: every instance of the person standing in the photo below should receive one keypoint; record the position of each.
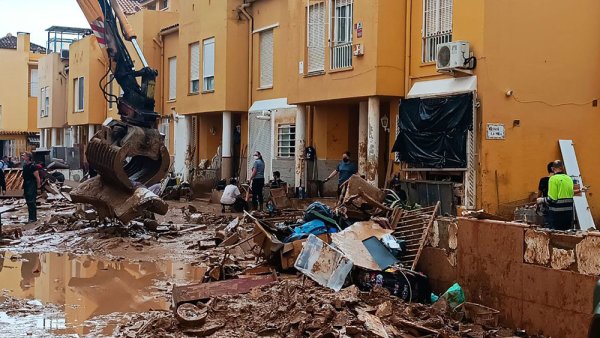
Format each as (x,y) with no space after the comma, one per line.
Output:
(258,181)
(31,183)
(345,169)
(559,199)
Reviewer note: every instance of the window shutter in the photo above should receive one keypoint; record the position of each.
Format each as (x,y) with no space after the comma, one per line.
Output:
(172,78)
(316,37)
(266,58)
(34,88)
(208,68)
(445,16)
(194,63)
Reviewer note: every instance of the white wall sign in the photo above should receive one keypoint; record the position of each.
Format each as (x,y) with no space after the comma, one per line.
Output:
(495,131)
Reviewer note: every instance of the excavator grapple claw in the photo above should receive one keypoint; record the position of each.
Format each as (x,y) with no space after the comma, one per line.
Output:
(128,160)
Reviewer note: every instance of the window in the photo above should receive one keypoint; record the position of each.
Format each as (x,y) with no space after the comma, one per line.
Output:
(341,50)
(79,93)
(195,67)
(33,82)
(316,37)
(437,26)
(266,58)
(286,140)
(44,101)
(165,4)
(172,78)
(208,65)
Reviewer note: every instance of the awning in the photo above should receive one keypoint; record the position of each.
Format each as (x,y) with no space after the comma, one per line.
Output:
(443,87)
(259,106)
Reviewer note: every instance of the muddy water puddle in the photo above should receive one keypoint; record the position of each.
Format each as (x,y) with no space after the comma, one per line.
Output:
(69,295)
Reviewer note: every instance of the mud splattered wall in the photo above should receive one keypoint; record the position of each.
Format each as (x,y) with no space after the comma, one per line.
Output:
(531,276)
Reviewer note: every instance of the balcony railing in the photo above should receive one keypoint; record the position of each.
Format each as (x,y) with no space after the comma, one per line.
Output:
(341,56)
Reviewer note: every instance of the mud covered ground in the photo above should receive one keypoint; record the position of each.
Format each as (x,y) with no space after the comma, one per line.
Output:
(69,276)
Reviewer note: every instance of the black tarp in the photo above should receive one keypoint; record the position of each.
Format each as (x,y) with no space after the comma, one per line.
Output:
(433,131)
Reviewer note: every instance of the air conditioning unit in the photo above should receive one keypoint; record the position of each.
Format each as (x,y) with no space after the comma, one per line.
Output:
(453,55)
(64,54)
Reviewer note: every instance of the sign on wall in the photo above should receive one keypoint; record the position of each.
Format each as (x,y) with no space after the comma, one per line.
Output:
(495,131)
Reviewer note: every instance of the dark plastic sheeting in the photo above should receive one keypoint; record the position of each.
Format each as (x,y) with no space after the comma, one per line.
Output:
(433,131)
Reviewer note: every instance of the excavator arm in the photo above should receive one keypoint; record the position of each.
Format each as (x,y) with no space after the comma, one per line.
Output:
(129,155)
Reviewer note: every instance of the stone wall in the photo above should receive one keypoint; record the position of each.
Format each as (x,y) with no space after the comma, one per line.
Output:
(539,280)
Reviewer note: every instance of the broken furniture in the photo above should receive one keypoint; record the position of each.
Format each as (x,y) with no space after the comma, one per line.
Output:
(413,228)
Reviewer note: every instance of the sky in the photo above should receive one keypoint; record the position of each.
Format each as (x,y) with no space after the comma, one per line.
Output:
(35,16)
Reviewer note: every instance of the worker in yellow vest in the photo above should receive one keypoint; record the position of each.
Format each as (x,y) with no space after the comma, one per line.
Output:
(559,199)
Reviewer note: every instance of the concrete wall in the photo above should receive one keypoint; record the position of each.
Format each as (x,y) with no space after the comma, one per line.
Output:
(528,275)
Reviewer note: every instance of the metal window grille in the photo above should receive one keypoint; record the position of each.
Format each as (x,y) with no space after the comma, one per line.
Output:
(266,58)
(286,140)
(437,26)
(208,65)
(195,67)
(316,33)
(341,50)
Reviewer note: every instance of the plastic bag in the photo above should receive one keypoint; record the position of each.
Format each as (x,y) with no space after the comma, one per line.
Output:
(454,296)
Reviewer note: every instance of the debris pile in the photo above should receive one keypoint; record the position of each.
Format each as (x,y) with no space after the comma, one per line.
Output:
(296,308)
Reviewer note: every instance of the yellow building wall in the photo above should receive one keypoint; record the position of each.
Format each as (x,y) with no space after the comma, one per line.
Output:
(200,20)
(268,13)
(171,49)
(553,90)
(86,60)
(51,72)
(378,72)
(208,143)
(18,109)
(333,132)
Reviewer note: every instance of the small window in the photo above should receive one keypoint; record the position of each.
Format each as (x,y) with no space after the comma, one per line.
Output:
(42,106)
(44,101)
(286,140)
(79,93)
(195,67)
(172,78)
(165,4)
(208,65)
(33,83)
(266,58)
(437,26)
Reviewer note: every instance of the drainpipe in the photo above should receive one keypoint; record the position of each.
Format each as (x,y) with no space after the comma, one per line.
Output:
(243,8)
(407,53)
